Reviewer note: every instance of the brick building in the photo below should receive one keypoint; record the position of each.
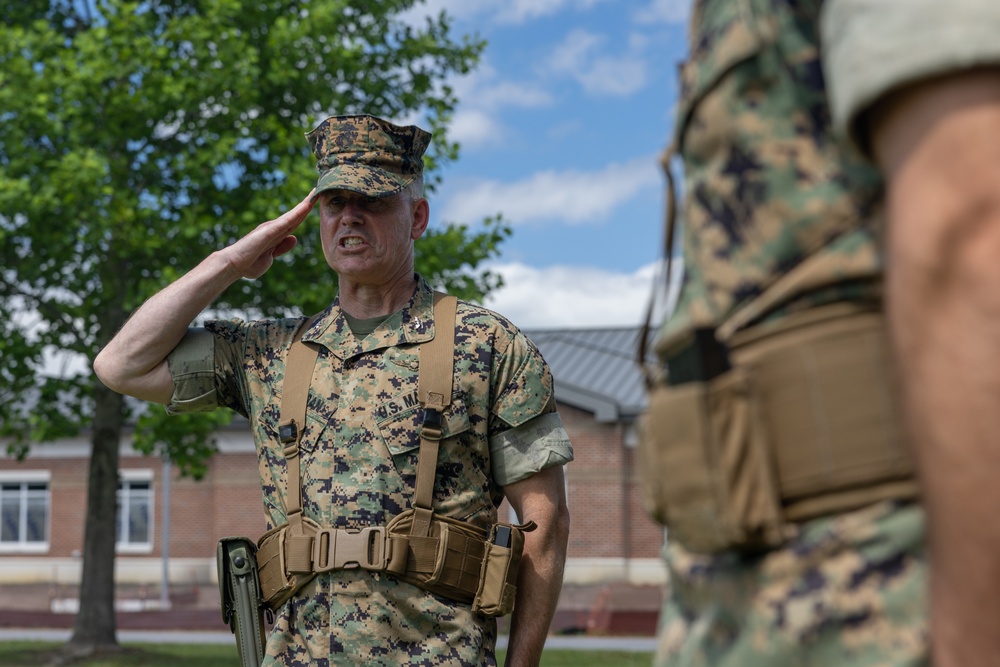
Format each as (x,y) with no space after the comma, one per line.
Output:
(43,498)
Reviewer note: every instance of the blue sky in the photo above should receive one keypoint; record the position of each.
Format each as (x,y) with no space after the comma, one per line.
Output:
(561,127)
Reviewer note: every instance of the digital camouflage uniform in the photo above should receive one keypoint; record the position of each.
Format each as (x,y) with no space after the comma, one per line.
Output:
(359,457)
(359,447)
(777,218)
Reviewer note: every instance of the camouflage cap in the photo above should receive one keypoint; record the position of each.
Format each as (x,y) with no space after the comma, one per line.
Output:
(366,154)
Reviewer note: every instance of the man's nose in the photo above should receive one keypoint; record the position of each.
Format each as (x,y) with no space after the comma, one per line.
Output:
(351,214)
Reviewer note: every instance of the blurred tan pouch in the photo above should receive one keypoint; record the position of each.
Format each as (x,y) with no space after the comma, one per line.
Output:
(706,467)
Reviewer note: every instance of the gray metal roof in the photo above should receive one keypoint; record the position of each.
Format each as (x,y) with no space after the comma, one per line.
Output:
(595,369)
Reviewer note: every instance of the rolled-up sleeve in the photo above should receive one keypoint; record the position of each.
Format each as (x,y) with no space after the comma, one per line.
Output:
(522,451)
(192,368)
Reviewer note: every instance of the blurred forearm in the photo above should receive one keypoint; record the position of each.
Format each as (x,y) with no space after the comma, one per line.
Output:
(939,143)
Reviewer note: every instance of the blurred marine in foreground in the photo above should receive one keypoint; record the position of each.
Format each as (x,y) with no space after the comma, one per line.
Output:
(823,437)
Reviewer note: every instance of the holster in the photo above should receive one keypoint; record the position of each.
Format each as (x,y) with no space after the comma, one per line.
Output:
(800,424)
(240,597)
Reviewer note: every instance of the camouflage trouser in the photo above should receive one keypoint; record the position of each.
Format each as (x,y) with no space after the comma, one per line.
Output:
(847,590)
(353,617)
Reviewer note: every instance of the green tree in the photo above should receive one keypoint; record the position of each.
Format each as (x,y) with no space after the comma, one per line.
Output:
(137,137)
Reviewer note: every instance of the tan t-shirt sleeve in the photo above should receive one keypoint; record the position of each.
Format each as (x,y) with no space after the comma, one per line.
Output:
(872,47)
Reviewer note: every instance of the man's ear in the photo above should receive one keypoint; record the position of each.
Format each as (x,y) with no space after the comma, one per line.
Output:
(421,216)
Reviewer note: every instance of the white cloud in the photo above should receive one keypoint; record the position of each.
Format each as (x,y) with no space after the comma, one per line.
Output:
(575,51)
(485,90)
(457,9)
(619,76)
(573,296)
(498,11)
(520,11)
(566,128)
(483,97)
(513,94)
(580,57)
(569,196)
(664,11)
(473,128)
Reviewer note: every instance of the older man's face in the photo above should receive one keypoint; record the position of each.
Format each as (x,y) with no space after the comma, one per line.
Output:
(370,240)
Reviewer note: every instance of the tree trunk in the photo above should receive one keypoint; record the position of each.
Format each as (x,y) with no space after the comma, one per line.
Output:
(95,621)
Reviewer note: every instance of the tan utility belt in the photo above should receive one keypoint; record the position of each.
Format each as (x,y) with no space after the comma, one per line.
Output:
(796,422)
(457,560)
(284,558)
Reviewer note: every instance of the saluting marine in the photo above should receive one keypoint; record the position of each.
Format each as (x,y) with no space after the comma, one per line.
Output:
(385,547)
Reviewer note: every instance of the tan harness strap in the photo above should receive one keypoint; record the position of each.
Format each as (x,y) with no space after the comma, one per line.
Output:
(295,393)
(434,391)
(437,361)
(662,280)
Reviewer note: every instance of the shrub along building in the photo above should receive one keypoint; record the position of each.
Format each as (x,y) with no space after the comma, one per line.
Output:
(43,498)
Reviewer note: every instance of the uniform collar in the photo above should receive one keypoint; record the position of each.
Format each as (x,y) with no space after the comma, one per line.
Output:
(411,325)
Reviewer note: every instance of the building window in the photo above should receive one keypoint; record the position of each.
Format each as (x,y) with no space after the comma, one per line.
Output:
(133,525)
(24,513)
(631,435)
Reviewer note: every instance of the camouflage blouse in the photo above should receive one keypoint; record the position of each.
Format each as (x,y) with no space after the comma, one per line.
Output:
(359,455)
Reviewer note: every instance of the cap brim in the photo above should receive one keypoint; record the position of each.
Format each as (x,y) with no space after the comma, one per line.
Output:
(369,181)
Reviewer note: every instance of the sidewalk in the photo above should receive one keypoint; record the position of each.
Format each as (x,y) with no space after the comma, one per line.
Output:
(596,611)
(576,643)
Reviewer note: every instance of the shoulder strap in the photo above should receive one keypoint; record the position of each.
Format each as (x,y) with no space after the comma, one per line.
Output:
(437,356)
(434,388)
(434,391)
(294,394)
(661,281)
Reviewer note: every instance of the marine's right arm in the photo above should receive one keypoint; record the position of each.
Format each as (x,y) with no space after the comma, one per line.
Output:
(134,362)
(939,142)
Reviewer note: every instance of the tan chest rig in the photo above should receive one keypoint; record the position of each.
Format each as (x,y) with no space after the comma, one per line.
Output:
(445,556)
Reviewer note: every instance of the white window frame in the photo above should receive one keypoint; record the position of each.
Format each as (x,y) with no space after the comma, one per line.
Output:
(122,497)
(25,477)
(631,436)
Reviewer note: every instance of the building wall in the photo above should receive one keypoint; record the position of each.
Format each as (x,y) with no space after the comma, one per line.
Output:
(226,502)
(604,497)
(68,505)
(611,538)
(237,496)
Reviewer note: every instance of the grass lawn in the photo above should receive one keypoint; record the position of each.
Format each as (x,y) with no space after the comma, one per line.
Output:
(36,654)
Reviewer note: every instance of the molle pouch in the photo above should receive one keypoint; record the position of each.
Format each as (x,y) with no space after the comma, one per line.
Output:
(279,579)
(501,562)
(446,561)
(706,467)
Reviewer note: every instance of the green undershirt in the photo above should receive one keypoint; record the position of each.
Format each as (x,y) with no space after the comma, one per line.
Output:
(362,327)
